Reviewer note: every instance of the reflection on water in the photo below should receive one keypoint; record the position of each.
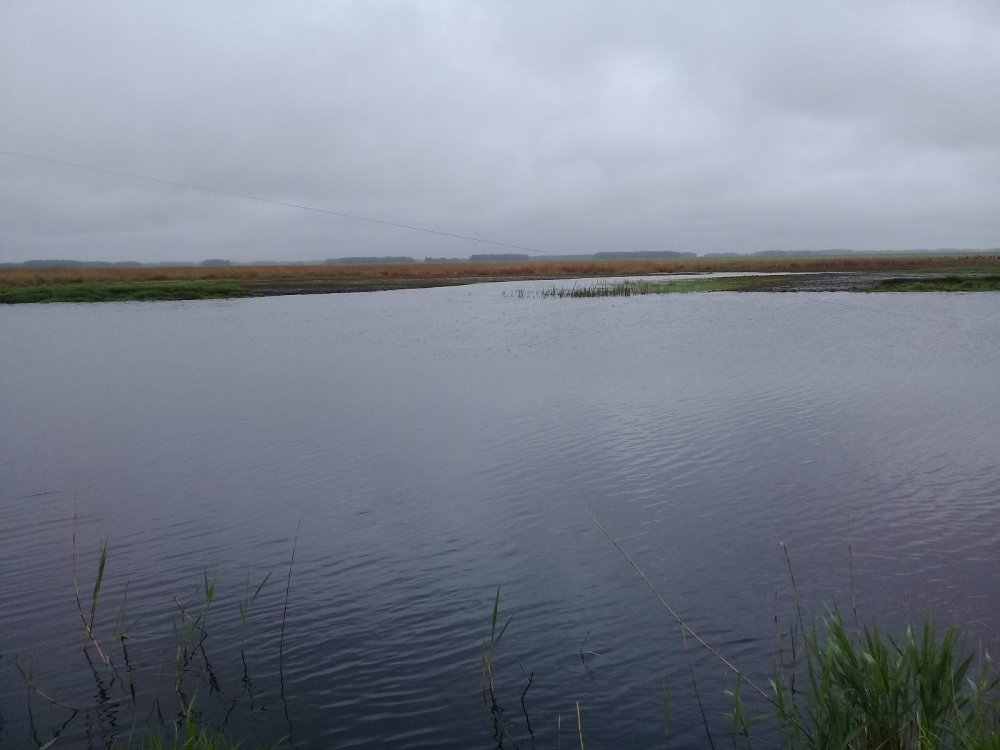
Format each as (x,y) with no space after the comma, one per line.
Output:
(437,443)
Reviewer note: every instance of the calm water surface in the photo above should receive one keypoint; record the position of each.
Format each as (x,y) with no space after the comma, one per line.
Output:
(427,446)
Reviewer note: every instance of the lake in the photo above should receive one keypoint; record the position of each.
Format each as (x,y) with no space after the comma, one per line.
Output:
(418,449)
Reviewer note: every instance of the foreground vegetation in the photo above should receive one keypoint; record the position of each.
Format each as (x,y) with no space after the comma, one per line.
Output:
(179,704)
(81,284)
(186,734)
(850,688)
(863,689)
(872,691)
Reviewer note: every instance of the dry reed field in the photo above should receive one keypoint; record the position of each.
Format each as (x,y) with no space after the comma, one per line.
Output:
(337,274)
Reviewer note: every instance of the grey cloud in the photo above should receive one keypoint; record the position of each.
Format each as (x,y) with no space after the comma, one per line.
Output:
(572,127)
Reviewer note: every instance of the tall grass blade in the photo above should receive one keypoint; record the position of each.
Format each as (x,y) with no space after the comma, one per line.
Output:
(685,628)
(88,622)
(697,692)
(96,593)
(284,612)
(209,587)
(579,724)
(494,636)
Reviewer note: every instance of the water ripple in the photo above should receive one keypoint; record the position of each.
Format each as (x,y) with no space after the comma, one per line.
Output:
(435,444)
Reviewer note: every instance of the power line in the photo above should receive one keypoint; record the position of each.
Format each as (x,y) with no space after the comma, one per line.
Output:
(260,199)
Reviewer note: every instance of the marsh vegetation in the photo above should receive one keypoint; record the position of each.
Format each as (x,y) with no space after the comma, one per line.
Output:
(81,284)
(833,686)
(843,688)
(155,694)
(631,288)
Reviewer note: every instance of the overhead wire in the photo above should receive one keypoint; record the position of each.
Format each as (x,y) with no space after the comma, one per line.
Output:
(273,201)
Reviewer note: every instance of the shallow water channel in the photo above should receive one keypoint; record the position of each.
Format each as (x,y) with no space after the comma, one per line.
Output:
(419,448)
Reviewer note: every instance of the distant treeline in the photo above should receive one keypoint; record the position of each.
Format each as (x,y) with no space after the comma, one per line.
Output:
(494,257)
(642,254)
(55,263)
(370,260)
(503,257)
(59,263)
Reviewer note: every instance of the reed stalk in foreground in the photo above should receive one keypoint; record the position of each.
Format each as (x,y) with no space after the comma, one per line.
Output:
(95,595)
(284,613)
(191,662)
(871,693)
(501,729)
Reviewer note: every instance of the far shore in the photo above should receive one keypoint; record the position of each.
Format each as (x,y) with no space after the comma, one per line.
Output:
(886,272)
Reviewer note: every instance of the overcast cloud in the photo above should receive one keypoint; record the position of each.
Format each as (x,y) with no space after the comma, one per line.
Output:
(570,127)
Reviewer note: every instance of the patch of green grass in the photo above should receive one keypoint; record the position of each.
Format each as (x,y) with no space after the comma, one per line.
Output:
(111,291)
(731,284)
(989,283)
(871,691)
(186,735)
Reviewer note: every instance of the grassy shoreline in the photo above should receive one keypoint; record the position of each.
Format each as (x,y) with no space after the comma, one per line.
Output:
(869,273)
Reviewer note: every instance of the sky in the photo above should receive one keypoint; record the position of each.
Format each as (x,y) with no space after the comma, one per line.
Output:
(563,126)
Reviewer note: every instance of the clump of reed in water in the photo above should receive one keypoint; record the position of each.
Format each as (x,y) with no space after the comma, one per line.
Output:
(600,289)
(124,684)
(616,289)
(632,288)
